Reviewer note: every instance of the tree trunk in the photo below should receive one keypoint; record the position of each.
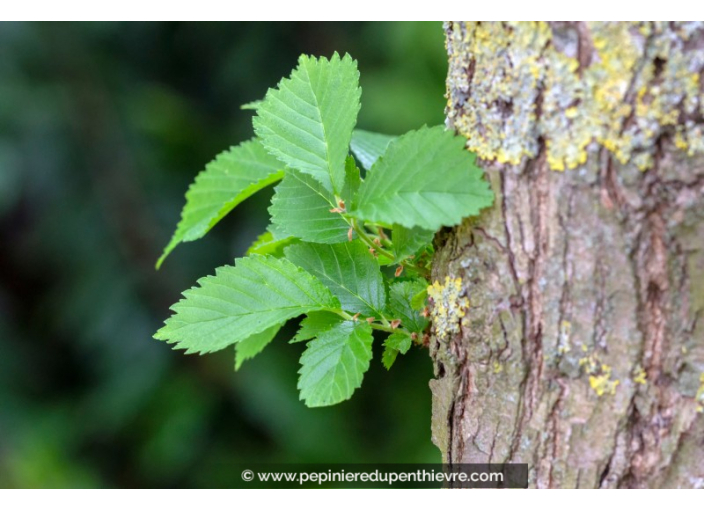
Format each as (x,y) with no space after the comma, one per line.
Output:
(576,341)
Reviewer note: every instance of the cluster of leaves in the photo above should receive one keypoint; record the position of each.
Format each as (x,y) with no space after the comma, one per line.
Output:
(351,253)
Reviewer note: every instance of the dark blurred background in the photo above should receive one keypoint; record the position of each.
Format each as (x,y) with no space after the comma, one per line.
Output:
(102,128)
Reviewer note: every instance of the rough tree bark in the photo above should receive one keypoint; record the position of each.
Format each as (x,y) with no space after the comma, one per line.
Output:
(576,340)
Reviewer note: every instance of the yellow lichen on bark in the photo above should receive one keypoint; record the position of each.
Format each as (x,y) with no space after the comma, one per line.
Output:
(599,375)
(448,306)
(616,85)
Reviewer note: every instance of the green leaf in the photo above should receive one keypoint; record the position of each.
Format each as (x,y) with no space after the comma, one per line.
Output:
(400,307)
(397,342)
(418,301)
(301,208)
(400,341)
(353,181)
(388,357)
(315,324)
(307,121)
(367,147)
(266,244)
(252,105)
(385,261)
(333,364)
(253,345)
(232,177)
(348,270)
(407,241)
(254,295)
(276,232)
(425,179)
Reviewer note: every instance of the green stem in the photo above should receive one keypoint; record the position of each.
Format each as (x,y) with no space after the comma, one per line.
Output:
(368,240)
(342,314)
(385,326)
(385,321)
(381,327)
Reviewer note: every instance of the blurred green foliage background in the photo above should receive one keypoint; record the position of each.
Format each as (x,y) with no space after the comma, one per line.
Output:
(102,128)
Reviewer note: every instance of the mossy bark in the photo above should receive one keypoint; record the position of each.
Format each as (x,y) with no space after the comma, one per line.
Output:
(582,350)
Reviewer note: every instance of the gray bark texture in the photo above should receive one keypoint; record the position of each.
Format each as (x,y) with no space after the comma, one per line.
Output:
(574,341)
